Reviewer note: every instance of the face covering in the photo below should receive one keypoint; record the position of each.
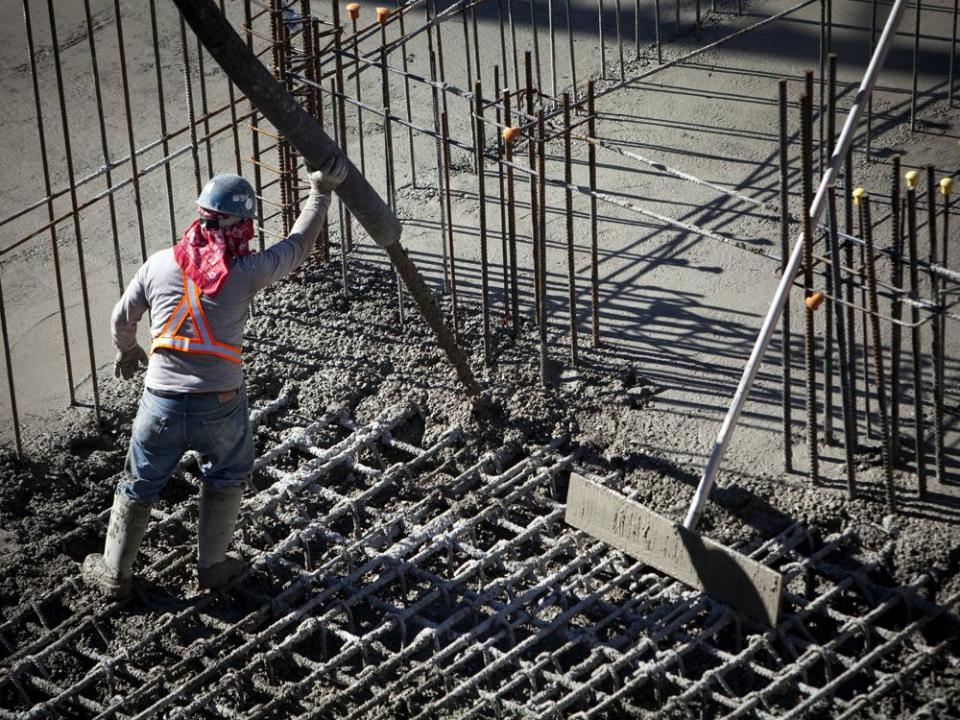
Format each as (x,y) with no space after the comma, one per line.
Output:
(207,250)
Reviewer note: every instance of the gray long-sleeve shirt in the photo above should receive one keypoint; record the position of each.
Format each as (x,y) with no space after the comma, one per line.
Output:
(158,286)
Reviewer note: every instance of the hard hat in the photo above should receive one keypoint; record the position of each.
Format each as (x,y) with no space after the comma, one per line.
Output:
(229,194)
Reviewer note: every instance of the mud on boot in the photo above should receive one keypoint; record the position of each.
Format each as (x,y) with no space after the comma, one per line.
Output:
(219,508)
(111,573)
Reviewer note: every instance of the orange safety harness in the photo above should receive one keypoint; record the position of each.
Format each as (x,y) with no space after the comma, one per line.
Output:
(206,344)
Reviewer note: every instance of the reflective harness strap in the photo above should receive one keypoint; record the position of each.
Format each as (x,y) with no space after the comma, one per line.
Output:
(206,344)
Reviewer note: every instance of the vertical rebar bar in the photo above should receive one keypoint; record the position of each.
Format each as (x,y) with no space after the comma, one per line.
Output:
(162,114)
(536,41)
(636,30)
(344,215)
(323,240)
(916,66)
(873,42)
(11,388)
(849,430)
(603,47)
(829,140)
(406,98)
(231,93)
(131,143)
(509,135)
(886,447)
(594,259)
(953,52)
(191,117)
(656,22)
(469,67)
(532,159)
(785,319)
(445,142)
(867,400)
(480,144)
(74,207)
(104,144)
(353,10)
(48,194)
(542,280)
(896,310)
(571,264)
(502,122)
(806,123)
(620,40)
(388,164)
(346,239)
(573,62)
(936,327)
(849,292)
(435,102)
(204,108)
(915,351)
(255,133)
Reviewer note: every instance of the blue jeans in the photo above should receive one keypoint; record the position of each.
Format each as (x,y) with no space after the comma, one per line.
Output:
(165,427)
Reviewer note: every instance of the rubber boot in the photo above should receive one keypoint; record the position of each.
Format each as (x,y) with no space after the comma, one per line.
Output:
(219,508)
(111,572)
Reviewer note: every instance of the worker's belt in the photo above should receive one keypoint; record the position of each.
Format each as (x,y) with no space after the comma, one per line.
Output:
(222,396)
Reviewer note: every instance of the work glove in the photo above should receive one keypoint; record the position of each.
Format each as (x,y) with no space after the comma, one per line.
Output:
(328,176)
(128,361)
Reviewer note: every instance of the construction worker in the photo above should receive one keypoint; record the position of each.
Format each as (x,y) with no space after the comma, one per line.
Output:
(198,294)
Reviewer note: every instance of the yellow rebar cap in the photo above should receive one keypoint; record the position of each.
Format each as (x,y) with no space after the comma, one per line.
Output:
(912,177)
(946,186)
(510,134)
(353,10)
(858,195)
(814,301)
(382,14)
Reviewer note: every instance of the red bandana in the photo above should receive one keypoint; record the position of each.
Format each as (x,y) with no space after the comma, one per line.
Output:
(205,254)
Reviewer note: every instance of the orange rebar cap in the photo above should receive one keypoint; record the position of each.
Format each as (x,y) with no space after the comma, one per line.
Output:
(510,134)
(382,14)
(814,301)
(353,10)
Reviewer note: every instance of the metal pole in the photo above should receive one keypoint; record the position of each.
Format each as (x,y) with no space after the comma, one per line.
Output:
(406,98)
(620,40)
(786,281)
(502,122)
(953,52)
(656,22)
(191,117)
(255,135)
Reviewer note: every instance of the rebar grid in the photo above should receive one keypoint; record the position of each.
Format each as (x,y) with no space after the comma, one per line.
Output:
(385,581)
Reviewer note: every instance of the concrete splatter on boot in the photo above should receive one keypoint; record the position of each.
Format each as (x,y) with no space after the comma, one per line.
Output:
(219,508)
(110,573)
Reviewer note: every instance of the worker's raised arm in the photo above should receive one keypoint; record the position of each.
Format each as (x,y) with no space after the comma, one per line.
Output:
(279,260)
